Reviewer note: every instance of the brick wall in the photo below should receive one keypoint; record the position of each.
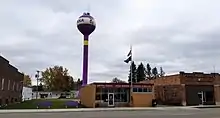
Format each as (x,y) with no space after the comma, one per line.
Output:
(169,94)
(197,78)
(217,94)
(171,89)
(168,80)
(11,86)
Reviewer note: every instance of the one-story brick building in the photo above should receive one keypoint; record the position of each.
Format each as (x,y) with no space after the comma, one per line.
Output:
(187,89)
(116,95)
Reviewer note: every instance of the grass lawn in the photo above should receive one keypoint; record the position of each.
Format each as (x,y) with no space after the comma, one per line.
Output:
(32,104)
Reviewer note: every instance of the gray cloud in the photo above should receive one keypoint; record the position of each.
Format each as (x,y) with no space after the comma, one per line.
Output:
(177,35)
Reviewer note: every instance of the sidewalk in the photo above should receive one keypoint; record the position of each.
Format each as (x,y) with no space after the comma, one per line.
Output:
(206,106)
(94,109)
(198,106)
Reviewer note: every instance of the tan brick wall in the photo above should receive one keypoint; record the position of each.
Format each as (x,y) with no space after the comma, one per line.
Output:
(87,95)
(142,99)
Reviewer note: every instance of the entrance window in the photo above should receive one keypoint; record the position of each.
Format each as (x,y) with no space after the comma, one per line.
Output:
(120,94)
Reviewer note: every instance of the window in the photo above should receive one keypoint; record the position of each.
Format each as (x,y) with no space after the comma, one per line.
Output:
(105,90)
(104,97)
(124,97)
(140,90)
(13,86)
(117,97)
(9,82)
(135,89)
(17,87)
(98,97)
(145,89)
(98,90)
(3,83)
(111,90)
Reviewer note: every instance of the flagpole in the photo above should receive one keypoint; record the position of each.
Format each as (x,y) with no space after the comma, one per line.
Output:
(131,70)
(131,78)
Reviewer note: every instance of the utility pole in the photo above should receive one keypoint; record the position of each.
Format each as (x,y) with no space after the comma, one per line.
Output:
(37,77)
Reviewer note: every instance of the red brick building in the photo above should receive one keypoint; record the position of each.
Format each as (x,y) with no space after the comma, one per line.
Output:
(10,83)
(188,89)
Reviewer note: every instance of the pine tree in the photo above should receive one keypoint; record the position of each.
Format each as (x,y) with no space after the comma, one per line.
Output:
(133,70)
(141,73)
(155,73)
(148,72)
(162,73)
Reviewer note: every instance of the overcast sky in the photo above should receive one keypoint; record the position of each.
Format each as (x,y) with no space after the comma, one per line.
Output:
(175,34)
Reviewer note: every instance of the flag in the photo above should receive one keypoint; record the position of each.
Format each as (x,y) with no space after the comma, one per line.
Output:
(129,57)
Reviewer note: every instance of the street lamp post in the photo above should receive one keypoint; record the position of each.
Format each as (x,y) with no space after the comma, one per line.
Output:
(37,77)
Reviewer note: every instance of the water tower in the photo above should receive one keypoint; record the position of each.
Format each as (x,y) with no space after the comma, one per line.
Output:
(86,25)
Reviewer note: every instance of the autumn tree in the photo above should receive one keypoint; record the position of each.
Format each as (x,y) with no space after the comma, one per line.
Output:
(57,78)
(116,80)
(27,81)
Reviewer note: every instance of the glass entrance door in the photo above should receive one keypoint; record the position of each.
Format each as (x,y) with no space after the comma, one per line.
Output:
(201,96)
(111,99)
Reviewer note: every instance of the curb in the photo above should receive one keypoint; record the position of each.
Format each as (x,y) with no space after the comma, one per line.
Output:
(93,109)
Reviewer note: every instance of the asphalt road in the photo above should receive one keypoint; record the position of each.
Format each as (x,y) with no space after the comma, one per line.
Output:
(201,113)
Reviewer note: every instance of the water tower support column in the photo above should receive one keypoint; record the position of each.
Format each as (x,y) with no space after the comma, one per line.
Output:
(85,60)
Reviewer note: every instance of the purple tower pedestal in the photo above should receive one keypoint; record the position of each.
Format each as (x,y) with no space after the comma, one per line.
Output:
(85,60)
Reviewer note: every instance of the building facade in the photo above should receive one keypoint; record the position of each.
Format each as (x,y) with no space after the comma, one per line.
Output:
(116,95)
(195,88)
(10,83)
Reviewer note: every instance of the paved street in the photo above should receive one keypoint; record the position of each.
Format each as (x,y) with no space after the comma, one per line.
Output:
(179,113)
